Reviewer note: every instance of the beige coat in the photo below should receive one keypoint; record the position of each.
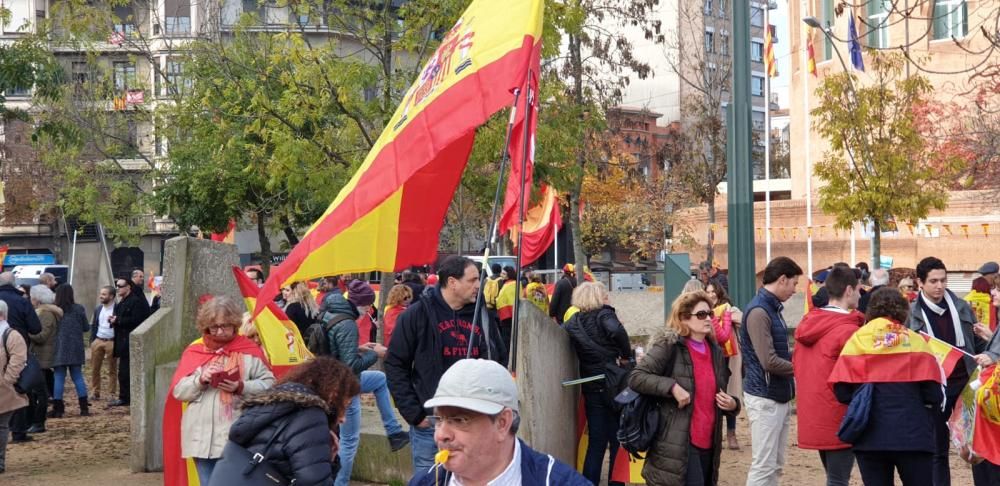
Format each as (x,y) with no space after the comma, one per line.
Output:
(204,426)
(43,344)
(11,364)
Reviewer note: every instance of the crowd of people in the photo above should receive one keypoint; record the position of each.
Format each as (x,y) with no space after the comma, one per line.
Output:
(444,373)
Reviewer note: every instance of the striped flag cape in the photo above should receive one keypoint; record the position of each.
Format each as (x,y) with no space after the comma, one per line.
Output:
(279,336)
(389,215)
(626,470)
(885,351)
(986,431)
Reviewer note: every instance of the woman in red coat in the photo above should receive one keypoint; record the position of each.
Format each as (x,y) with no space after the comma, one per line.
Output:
(400,296)
(818,341)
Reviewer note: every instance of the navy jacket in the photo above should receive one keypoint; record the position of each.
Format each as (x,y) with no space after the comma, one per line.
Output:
(756,381)
(20,314)
(537,469)
(901,417)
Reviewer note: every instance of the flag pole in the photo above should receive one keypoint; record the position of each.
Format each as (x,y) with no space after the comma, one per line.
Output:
(491,236)
(767,142)
(808,134)
(525,144)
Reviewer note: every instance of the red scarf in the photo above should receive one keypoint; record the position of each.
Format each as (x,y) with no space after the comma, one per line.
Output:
(175,469)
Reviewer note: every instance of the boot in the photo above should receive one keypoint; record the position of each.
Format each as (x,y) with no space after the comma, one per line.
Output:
(731,439)
(84,407)
(58,408)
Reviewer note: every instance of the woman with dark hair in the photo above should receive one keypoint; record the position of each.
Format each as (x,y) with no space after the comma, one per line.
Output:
(684,369)
(311,399)
(69,355)
(725,323)
(905,389)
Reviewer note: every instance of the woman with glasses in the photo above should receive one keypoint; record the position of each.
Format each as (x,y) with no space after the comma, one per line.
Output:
(684,367)
(600,340)
(214,374)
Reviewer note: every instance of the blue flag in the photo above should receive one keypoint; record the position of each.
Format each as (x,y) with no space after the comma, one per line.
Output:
(855,47)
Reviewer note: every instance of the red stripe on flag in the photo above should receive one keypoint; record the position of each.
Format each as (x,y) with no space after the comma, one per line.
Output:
(886,368)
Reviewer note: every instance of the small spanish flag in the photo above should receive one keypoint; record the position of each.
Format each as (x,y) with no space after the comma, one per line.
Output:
(228,236)
(770,66)
(947,355)
(811,61)
(280,337)
(3,254)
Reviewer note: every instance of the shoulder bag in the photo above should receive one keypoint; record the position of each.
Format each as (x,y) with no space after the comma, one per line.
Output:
(31,376)
(240,466)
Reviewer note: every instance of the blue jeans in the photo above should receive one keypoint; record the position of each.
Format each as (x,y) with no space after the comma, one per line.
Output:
(76,372)
(204,468)
(350,430)
(423,448)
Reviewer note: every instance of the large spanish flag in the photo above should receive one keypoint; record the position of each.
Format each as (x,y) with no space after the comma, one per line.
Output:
(390,213)
(884,351)
(280,337)
(541,224)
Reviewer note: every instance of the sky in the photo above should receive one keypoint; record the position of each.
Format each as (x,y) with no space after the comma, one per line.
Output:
(780,85)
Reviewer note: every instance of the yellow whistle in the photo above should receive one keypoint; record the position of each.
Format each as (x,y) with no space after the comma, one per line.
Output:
(441,457)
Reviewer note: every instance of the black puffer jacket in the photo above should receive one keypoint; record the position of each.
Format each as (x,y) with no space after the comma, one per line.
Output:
(607,341)
(302,451)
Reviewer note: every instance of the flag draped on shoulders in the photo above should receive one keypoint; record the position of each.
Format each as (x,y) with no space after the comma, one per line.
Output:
(884,351)
(280,337)
(505,300)
(178,471)
(389,215)
(986,433)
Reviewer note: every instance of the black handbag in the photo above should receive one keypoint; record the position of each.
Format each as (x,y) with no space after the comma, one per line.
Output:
(240,466)
(31,376)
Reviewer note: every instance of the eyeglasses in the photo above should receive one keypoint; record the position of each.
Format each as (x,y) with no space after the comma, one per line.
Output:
(221,328)
(460,422)
(286,289)
(701,315)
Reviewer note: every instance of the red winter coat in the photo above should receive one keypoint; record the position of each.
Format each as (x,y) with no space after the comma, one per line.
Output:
(818,341)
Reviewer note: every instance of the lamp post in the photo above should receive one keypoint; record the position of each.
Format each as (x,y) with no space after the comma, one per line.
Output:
(742,262)
(867,153)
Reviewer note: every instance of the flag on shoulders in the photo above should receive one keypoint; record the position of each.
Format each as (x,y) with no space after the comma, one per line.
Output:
(986,432)
(884,351)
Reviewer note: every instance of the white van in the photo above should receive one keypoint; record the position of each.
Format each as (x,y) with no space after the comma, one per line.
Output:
(29,274)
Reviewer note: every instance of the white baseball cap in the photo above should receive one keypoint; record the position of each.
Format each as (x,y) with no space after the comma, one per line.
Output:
(479,385)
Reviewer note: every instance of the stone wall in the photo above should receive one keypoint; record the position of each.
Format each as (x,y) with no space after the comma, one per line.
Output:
(191,268)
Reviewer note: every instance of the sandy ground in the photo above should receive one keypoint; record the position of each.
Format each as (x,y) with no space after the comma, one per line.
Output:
(93,451)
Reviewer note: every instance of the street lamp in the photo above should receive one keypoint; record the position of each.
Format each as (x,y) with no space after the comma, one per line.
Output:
(853,99)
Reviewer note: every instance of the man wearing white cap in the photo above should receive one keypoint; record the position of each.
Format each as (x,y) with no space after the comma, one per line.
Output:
(475,426)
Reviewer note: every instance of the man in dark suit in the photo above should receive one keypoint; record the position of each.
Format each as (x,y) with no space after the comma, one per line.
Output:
(131,310)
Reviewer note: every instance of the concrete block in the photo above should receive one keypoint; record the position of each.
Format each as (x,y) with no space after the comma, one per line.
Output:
(545,358)
(375,462)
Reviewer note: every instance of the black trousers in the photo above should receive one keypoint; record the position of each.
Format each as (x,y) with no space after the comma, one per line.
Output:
(34,413)
(942,436)
(602,431)
(915,468)
(699,467)
(986,474)
(124,377)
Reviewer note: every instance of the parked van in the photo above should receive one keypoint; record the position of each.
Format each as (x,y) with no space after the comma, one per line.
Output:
(29,274)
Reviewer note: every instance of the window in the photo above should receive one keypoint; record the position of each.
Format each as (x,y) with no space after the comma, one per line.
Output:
(724,8)
(178,16)
(951,19)
(709,41)
(708,7)
(757,51)
(80,72)
(252,7)
(124,76)
(124,21)
(828,19)
(878,22)
(757,15)
(757,85)
(724,43)
(176,82)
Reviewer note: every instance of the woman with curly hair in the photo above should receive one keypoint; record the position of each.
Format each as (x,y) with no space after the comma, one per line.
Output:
(311,399)
(215,373)
(400,297)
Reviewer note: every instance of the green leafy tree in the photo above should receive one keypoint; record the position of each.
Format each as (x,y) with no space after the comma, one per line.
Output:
(879,169)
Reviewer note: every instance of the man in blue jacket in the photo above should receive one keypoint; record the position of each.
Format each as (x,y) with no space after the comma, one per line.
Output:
(475,420)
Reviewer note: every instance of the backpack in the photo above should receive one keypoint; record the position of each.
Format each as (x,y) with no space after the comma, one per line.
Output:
(317,335)
(640,420)
(856,419)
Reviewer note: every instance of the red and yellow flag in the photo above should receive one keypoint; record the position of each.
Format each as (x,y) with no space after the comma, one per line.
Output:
(280,337)
(626,470)
(769,65)
(541,223)
(884,351)
(389,215)
(986,432)
(811,61)
(948,356)
(513,197)
(3,254)
(228,236)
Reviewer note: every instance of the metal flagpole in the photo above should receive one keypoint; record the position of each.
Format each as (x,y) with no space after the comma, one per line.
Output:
(808,132)
(491,230)
(529,101)
(767,143)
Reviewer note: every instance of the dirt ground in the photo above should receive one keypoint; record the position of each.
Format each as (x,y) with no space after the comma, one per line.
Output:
(93,451)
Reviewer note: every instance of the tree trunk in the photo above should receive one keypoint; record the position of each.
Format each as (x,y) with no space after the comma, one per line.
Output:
(293,239)
(576,59)
(579,256)
(710,246)
(876,246)
(388,280)
(265,243)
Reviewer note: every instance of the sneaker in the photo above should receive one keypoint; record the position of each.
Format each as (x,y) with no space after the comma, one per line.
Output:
(22,438)
(36,429)
(398,440)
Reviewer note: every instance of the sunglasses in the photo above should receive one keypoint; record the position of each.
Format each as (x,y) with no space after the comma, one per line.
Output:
(121,286)
(701,315)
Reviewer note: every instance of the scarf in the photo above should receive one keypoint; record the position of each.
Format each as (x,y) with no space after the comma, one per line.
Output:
(959,336)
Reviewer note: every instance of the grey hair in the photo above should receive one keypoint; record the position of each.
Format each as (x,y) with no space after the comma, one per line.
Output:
(7,278)
(515,423)
(880,277)
(43,294)
(692,286)
(3,310)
